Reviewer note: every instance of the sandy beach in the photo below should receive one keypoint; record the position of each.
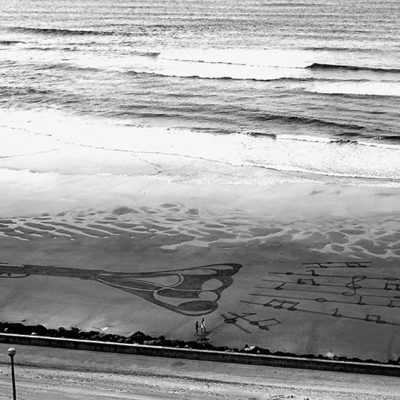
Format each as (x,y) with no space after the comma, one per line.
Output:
(124,253)
(43,373)
(316,263)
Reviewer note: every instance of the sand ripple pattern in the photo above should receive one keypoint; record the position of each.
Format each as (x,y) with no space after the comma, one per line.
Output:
(172,226)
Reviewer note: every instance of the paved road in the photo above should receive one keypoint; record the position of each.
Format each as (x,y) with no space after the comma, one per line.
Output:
(60,374)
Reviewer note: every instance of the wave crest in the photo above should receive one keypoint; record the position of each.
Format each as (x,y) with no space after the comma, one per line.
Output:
(321,66)
(308,121)
(9,42)
(287,153)
(60,32)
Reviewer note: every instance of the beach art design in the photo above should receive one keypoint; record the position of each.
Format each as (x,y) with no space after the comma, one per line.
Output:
(346,290)
(192,291)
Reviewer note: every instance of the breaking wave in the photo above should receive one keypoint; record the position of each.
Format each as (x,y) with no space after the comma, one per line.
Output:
(308,121)
(176,74)
(318,66)
(9,42)
(338,48)
(322,156)
(60,32)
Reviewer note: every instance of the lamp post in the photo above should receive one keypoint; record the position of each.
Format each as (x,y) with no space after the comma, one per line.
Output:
(11,352)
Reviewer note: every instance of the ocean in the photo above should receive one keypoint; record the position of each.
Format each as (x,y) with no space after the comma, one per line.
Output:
(301,86)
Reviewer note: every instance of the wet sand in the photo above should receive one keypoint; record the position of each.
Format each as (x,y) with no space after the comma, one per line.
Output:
(44,373)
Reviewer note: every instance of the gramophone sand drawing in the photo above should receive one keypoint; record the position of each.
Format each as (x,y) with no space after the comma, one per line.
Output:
(194,291)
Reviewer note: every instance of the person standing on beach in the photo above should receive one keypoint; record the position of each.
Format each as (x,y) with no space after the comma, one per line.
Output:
(203,326)
(196,328)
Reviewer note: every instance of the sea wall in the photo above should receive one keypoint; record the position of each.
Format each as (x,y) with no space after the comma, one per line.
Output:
(206,355)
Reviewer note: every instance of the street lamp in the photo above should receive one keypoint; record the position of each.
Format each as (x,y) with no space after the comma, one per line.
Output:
(11,352)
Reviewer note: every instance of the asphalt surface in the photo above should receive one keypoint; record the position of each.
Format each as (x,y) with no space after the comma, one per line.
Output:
(60,374)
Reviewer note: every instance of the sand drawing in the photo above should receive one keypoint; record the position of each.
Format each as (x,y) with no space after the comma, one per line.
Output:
(333,264)
(348,293)
(292,306)
(191,291)
(392,286)
(263,324)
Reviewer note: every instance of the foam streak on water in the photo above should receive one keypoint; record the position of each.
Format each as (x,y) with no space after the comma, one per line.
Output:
(240,76)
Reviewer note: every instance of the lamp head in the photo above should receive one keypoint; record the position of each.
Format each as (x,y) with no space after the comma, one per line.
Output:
(11,352)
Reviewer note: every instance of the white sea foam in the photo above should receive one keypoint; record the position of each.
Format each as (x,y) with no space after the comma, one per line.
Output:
(260,58)
(173,148)
(234,65)
(238,64)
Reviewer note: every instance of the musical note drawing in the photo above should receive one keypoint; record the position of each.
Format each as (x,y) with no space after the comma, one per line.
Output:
(353,285)
(280,287)
(302,281)
(392,286)
(191,291)
(331,286)
(368,318)
(279,304)
(374,318)
(393,304)
(337,264)
(265,324)
(360,302)
(288,287)
(315,274)
(233,320)
(336,313)
(323,265)
(353,264)
(321,300)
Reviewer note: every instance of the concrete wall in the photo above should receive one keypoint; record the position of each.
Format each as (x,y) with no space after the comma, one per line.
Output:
(208,355)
